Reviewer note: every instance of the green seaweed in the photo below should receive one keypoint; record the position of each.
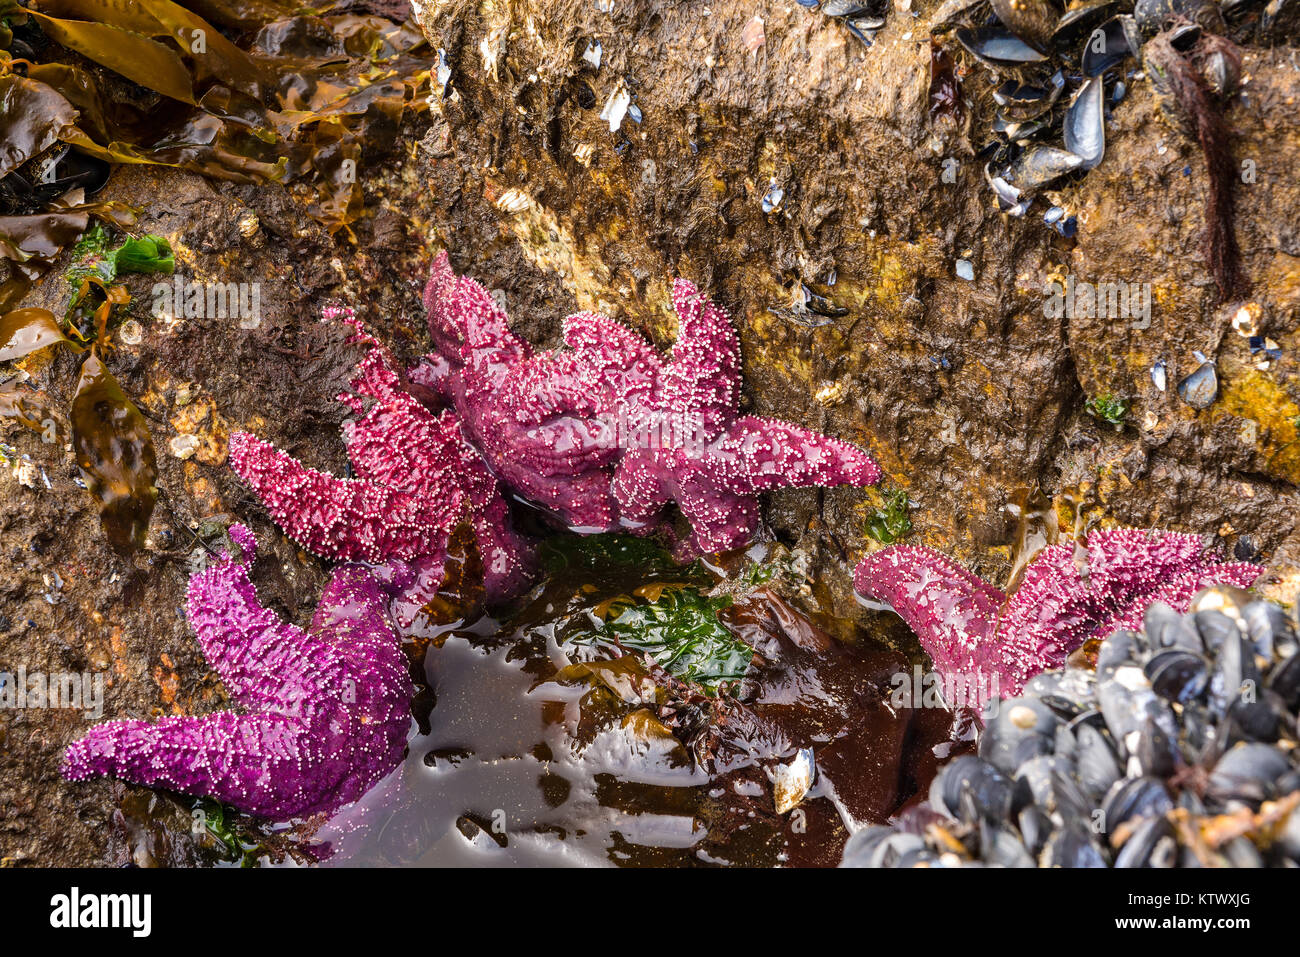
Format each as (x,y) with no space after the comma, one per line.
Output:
(681,631)
(1107,408)
(95,258)
(890,522)
(222,822)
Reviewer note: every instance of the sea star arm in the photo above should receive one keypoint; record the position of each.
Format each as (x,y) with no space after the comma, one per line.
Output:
(639,488)
(703,377)
(247,761)
(352,622)
(952,611)
(1177,593)
(599,338)
(720,520)
(329,706)
(772,454)
(256,655)
(346,519)
(464,319)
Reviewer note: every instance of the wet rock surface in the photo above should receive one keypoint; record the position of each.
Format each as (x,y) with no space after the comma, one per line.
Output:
(964,391)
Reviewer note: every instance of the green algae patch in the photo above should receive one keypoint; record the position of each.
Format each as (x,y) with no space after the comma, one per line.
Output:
(679,628)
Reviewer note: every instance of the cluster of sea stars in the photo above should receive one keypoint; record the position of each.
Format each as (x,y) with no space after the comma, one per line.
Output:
(604,434)
(324,712)
(1068,595)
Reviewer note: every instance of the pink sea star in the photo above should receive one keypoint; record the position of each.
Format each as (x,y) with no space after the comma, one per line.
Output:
(970,628)
(605,434)
(324,712)
(416,476)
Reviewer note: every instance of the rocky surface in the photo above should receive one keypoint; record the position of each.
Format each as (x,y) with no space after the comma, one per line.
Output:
(964,391)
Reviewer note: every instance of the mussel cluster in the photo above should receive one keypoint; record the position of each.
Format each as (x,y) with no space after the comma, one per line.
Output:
(1178,749)
(1059,71)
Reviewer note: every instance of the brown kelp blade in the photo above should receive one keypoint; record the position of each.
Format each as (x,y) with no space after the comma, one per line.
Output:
(32,118)
(140,59)
(23,331)
(115,453)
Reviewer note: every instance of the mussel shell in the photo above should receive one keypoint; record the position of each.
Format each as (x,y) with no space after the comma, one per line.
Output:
(1220,65)
(1240,852)
(1133,799)
(987,790)
(1271,630)
(1069,691)
(1022,132)
(1002,847)
(1122,646)
(1040,166)
(879,847)
(850,8)
(1052,787)
(1152,16)
(1079,21)
(1284,681)
(1034,21)
(1085,123)
(1072,846)
(1021,729)
(1096,765)
(1216,629)
(1165,628)
(1289,839)
(1139,721)
(1201,388)
(1152,844)
(950,11)
(916,857)
(1203,731)
(1035,828)
(1264,719)
(1248,772)
(1177,675)
(1119,40)
(998,47)
(1020,102)
(1234,673)
(1191,803)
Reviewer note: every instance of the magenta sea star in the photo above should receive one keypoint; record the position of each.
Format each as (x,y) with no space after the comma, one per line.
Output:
(969,628)
(605,434)
(324,712)
(416,476)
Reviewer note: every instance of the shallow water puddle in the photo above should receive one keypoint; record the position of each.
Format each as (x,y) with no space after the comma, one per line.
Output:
(533,747)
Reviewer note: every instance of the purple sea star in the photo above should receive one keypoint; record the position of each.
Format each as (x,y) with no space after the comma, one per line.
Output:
(605,434)
(416,476)
(324,712)
(1068,595)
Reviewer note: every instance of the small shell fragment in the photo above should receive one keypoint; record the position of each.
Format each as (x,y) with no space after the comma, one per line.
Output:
(444,71)
(1159,375)
(965,270)
(593,53)
(513,201)
(790,782)
(616,108)
(183,446)
(773,197)
(130,332)
(1201,388)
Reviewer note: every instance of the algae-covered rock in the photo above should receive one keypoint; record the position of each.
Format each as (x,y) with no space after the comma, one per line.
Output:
(805,185)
